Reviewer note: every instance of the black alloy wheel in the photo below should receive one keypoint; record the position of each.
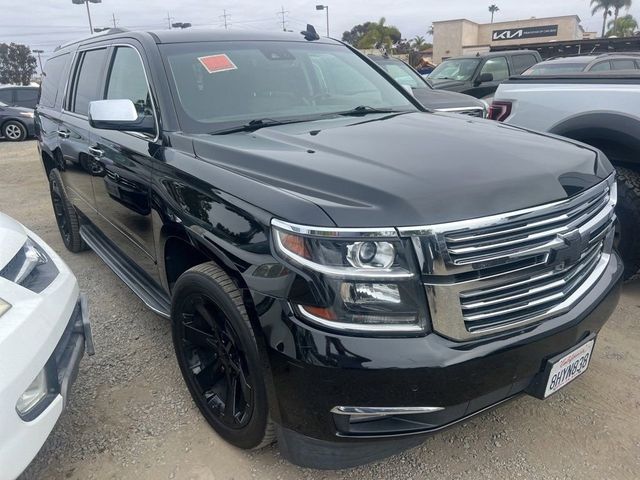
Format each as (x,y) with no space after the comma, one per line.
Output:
(218,356)
(217,365)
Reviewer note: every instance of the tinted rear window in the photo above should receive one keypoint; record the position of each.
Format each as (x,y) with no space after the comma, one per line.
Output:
(53,80)
(88,79)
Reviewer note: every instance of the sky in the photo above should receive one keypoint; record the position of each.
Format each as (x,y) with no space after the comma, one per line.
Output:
(44,24)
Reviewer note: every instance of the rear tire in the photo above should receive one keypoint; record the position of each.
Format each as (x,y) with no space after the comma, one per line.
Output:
(14,131)
(628,212)
(66,215)
(218,356)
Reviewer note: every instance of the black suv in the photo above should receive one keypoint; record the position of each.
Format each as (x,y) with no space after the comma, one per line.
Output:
(479,75)
(343,270)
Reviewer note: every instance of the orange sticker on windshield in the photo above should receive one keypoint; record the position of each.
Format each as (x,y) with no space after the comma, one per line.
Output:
(217,63)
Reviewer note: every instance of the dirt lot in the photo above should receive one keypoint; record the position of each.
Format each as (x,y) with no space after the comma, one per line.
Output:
(130,415)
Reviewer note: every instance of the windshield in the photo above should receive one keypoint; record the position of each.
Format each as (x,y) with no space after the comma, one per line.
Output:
(555,68)
(222,85)
(402,73)
(460,69)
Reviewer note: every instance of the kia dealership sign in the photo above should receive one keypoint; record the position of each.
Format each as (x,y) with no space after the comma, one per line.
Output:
(528,32)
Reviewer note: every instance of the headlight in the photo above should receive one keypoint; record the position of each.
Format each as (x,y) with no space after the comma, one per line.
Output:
(4,306)
(30,268)
(34,394)
(364,280)
(27,114)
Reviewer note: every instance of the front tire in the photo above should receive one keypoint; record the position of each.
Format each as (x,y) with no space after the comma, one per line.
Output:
(628,212)
(14,131)
(218,356)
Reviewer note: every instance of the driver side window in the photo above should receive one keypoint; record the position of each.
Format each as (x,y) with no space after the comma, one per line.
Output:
(127,80)
(498,67)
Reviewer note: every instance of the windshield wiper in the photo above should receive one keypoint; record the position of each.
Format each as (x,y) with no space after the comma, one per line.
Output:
(254,125)
(365,110)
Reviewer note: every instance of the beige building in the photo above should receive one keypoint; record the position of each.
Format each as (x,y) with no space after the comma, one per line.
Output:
(464,37)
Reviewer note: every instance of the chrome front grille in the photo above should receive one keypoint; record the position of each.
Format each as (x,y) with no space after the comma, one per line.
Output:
(493,274)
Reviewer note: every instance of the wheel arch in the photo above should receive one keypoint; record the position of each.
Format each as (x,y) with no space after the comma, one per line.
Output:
(617,134)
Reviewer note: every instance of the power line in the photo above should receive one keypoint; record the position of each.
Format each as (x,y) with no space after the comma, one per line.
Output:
(224,18)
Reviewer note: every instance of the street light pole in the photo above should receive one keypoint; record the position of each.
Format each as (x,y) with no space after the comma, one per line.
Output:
(326,8)
(38,52)
(86,2)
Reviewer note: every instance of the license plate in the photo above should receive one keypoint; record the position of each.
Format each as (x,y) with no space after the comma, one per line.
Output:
(568,367)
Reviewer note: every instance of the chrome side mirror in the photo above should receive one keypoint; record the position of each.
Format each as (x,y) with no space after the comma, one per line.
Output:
(119,114)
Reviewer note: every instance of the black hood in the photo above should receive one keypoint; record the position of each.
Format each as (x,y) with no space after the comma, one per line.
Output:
(437,99)
(407,169)
(445,84)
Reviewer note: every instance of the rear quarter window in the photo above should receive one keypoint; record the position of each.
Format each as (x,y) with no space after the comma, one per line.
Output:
(54,80)
(6,95)
(522,62)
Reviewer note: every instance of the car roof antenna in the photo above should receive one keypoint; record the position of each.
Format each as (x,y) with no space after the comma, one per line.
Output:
(310,33)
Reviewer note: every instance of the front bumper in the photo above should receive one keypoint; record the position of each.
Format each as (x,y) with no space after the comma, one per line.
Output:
(48,331)
(314,372)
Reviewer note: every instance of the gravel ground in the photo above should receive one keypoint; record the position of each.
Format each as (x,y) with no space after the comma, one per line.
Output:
(130,415)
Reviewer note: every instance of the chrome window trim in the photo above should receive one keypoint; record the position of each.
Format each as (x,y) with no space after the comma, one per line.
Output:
(113,46)
(360,328)
(382,411)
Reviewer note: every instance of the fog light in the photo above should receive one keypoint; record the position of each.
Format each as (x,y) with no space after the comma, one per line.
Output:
(34,393)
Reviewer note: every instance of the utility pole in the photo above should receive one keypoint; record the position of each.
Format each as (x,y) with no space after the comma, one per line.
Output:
(326,9)
(113,17)
(224,19)
(38,52)
(169,18)
(283,13)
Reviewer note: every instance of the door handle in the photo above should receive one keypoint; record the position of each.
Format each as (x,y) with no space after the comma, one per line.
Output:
(62,134)
(96,152)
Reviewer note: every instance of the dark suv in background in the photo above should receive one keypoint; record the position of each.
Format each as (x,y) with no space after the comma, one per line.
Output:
(437,100)
(344,271)
(479,75)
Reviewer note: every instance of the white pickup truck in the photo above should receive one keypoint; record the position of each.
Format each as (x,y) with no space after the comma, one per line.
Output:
(602,110)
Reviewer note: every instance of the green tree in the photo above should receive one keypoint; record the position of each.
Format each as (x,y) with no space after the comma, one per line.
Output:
(380,35)
(624,26)
(353,36)
(606,6)
(419,43)
(619,5)
(17,65)
(493,9)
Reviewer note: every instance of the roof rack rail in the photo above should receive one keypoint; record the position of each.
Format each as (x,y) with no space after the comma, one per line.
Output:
(111,31)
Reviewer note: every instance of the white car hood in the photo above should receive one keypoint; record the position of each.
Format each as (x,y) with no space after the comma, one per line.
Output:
(12,238)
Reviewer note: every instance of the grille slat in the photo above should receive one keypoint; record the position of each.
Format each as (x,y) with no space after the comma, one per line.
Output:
(490,275)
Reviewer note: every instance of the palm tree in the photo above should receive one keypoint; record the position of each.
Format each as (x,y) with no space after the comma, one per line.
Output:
(493,9)
(622,27)
(605,6)
(619,5)
(380,35)
(430,31)
(419,43)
